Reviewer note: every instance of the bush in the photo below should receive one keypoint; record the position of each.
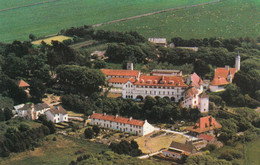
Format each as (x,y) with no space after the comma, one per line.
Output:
(89,133)
(24,127)
(231,154)
(54,138)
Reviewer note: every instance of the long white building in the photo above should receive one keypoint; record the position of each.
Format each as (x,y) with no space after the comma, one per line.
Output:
(128,125)
(170,87)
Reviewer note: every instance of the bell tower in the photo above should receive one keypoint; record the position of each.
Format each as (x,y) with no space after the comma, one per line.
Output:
(237,64)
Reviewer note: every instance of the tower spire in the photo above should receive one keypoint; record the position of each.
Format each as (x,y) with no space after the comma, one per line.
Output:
(237,64)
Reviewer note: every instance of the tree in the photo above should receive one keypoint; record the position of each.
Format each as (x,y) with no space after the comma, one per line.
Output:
(98,64)
(24,127)
(37,90)
(204,160)
(80,79)
(32,37)
(2,115)
(89,133)
(8,114)
(96,129)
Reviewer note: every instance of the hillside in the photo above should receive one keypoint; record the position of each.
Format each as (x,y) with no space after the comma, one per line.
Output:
(45,17)
(227,19)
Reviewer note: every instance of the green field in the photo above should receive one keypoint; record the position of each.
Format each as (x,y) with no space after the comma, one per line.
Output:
(49,18)
(227,18)
(253,153)
(61,151)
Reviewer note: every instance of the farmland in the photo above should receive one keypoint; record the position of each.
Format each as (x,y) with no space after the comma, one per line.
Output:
(49,18)
(227,18)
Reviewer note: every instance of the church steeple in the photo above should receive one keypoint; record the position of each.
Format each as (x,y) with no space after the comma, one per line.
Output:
(237,64)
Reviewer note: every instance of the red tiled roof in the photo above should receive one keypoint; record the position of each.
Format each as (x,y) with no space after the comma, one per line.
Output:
(219,81)
(203,95)
(221,75)
(118,119)
(22,83)
(115,72)
(196,80)
(223,72)
(205,124)
(206,137)
(191,91)
(120,80)
(160,81)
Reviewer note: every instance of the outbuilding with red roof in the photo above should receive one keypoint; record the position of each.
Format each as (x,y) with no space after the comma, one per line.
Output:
(123,124)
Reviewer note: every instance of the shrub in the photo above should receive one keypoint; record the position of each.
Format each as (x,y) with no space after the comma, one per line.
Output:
(89,133)
(24,127)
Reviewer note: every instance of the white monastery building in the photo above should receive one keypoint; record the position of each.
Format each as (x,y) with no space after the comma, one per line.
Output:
(128,125)
(170,87)
(168,84)
(224,76)
(194,97)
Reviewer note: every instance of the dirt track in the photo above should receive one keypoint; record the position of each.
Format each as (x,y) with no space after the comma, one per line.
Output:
(153,13)
(33,4)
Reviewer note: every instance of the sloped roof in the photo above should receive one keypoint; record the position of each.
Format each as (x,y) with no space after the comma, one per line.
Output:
(118,72)
(41,106)
(191,91)
(120,80)
(206,137)
(203,95)
(118,119)
(22,84)
(26,107)
(223,72)
(187,148)
(158,40)
(57,110)
(161,81)
(196,80)
(205,124)
(219,81)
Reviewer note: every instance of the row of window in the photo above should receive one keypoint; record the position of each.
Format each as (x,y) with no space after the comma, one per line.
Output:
(158,87)
(121,129)
(129,96)
(121,124)
(163,93)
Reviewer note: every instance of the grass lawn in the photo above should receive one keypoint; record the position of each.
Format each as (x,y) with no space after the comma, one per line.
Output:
(49,18)
(74,114)
(59,38)
(227,18)
(253,153)
(52,152)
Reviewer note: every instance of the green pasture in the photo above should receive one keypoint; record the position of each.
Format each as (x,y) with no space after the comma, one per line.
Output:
(253,152)
(227,18)
(49,18)
(16,3)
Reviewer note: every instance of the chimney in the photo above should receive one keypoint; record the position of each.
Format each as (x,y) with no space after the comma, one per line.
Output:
(93,112)
(104,114)
(145,121)
(130,118)
(116,115)
(226,67)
